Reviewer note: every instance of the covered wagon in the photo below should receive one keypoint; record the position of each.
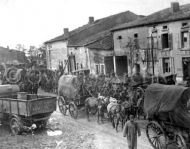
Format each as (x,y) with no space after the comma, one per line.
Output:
(71,94)
(169,119)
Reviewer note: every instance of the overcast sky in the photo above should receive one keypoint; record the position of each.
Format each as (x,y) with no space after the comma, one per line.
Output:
(32,22)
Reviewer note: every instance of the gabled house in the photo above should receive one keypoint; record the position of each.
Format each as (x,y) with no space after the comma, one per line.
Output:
(77,49)
(163,41)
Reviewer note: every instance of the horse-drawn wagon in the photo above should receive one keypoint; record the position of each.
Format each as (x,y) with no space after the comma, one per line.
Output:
(71,94)
(21,110)
(169,119)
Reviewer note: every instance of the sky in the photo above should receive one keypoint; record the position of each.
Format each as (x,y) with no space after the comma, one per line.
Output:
(32,22)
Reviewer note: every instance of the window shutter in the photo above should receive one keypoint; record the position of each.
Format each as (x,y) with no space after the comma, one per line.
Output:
(159,42)
(189,38)
(160,66)
(172,65)
(161,38)
(179,40)
(170,41)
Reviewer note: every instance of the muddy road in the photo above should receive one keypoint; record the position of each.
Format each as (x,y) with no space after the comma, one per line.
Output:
(63,132)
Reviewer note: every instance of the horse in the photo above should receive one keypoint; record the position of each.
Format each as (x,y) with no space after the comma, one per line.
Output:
(123,110)
(94,105)
(112,109)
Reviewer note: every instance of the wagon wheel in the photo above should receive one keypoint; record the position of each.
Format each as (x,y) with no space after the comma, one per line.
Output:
(62,105)
(156,135)
(15,125)
(73,110)
(180,141)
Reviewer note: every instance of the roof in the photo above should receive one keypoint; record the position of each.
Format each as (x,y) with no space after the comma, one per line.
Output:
(90,32)
(105,43)
(99,26)
(65,37)
(11,56)
(162,16)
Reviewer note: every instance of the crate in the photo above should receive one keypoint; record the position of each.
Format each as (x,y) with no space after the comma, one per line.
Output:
(31,96)
(22,95)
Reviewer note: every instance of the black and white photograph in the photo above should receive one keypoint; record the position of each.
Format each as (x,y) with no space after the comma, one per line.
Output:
(95,74)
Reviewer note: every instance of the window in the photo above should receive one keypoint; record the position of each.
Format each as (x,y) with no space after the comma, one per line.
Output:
(81,66)
(77,66)
(102,68)
(119,37)
(136,35)
(184,39)
(166,65)
(97,69)
(165,40)
(184,24)
(165,27)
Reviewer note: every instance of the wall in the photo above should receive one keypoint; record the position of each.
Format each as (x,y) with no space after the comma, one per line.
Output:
(127,35)
(56,53)
(81,56)
(97,57)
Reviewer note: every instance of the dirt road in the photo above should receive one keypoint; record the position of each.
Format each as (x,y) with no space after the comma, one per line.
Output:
(63,132)
(76,134)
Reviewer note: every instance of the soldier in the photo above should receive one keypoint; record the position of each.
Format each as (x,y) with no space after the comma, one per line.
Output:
(137,77)
(131,129)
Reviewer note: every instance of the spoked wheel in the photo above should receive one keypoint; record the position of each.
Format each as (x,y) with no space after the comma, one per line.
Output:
(62,105)
(73,110)
(15,125)
(156,135)
(180,141)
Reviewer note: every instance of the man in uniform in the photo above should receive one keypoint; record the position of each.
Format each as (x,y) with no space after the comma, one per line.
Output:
(131,129)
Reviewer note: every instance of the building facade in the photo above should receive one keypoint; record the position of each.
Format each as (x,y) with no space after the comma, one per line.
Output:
(162,42)
(73,50)
(173,40)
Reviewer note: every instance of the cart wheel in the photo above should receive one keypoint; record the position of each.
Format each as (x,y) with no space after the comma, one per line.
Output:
(73,110)
(15,125)
(62,105)
(156,135)
(180,141)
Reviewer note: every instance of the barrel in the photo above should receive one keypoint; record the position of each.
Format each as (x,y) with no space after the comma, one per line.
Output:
(7,89)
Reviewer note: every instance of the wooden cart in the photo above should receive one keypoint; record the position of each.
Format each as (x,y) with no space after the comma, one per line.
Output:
(21,110)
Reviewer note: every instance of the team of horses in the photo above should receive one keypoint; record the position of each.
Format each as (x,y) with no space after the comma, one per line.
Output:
(116,110)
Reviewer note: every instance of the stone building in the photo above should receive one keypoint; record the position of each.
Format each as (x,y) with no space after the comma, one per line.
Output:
(86,46)
(161,41)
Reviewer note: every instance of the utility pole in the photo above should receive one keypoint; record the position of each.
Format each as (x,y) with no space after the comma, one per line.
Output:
(152,53)
(151,39)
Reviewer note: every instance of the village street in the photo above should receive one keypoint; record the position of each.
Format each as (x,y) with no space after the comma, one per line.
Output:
(76,134)
(64,132)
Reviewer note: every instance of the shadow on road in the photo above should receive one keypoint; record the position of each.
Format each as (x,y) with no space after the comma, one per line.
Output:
(5,130)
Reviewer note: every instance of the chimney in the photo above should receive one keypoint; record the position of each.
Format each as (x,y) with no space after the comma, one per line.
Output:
(91,20)
(66,31)
(175,7)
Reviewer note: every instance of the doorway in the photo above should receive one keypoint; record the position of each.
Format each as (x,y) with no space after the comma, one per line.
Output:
(186,68)
(121,65)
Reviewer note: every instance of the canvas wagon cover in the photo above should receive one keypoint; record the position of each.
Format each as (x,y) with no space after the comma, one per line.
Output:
(68,86)
(165,99)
